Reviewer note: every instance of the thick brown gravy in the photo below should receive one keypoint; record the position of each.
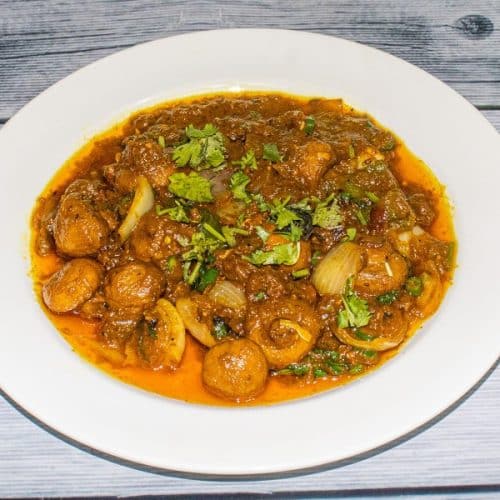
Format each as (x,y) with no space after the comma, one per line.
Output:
(185,382)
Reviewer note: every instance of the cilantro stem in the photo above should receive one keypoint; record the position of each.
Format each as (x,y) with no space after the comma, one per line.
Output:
(309,125)
(361,217)
(194,273)
(350,233)
(171,262)
(301,273)
(237,230)
(207,227)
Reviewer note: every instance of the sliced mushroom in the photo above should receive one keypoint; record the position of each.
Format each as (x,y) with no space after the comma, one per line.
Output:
(432,293)
(163,338)
(377,344)
(386,330)
(285,330)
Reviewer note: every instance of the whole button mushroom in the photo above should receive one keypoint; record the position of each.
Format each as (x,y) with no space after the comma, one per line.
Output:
(71,286)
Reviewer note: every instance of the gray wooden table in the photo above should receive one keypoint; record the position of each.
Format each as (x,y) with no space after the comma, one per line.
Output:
(459,42)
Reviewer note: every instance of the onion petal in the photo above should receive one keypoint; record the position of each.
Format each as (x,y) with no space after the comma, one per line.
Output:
(227,294)
(170,330)
(336,267)
(143,202)
(188,310)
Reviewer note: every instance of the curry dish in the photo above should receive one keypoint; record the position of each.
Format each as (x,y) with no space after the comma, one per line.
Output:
(242,248)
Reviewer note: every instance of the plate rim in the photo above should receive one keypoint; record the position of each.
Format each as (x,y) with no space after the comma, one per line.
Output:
(279,474)
(429,422)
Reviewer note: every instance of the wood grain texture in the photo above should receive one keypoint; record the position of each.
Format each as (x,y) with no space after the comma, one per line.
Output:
(493,115)
(43,41)
(462,449)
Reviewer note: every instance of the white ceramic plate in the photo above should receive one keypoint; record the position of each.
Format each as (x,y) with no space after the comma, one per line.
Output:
(455,349)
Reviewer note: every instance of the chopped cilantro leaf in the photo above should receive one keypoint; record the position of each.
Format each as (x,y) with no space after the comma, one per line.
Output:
(177,213)
(355,369)
(297,369)
(302,205)
(204,148)
(260,295)
(270,152)
(355,313)
(230,233)
(262,233)
(335,368)
(247,160)
(388,297)
(206,277)
(238,184)
(287,254)
(327,214)
(294,232)
(282,215)
(260,202)
(319,373)
(309,125)
(195,133)
(192,187)
(151,326)
(201,245)
(220,329)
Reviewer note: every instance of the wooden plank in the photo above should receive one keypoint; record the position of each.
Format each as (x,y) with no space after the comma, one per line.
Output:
(462,449)
(43,41)
(493,115)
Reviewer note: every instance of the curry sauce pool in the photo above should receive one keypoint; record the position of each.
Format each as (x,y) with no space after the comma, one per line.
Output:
(295,240)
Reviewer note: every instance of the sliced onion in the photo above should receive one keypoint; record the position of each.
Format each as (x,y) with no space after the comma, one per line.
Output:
(377,344)
(188,310)
(143,202)
(227,294)
(171,332)
(332,272)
